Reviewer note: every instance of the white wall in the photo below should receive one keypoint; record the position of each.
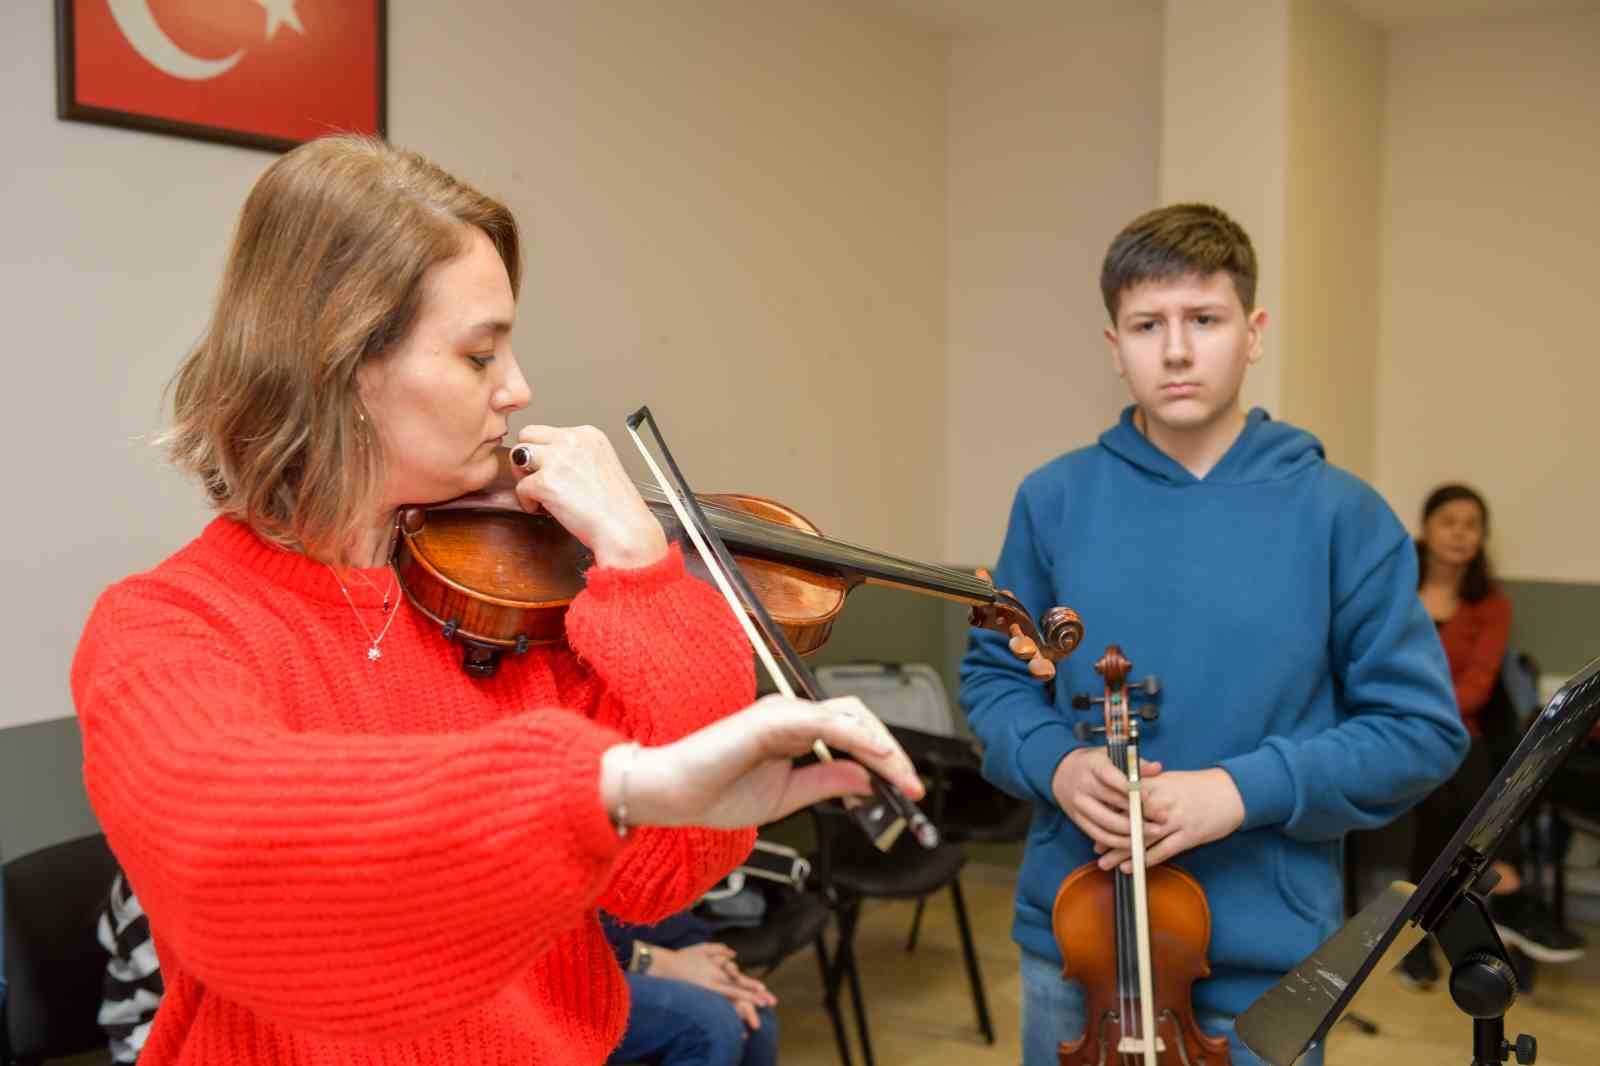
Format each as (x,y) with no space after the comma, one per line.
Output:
(1487,368)
(735,214)
(1224,131)
(1053,149)
(1329,361)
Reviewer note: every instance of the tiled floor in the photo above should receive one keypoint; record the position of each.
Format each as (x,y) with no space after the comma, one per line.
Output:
(921,1011)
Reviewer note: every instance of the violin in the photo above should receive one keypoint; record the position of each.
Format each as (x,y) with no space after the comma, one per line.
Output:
(495,578)
(1136,942)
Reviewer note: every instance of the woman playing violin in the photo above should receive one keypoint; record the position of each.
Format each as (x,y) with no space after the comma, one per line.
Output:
(351,851)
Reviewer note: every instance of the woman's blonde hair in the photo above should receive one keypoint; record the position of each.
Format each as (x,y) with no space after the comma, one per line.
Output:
(325,271)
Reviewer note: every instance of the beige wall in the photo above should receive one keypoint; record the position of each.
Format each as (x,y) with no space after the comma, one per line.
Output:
(1329,364)
(1487,368)
(736,213)
(1051,152)
(1224,136)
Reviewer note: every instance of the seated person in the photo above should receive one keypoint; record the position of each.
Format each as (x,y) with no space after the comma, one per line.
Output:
(133,985)
(688,1000)
(1474,620)
(689,1003)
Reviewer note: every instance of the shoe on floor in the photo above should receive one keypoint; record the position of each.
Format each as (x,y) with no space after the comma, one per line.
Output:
(1526,923)
(1417,971)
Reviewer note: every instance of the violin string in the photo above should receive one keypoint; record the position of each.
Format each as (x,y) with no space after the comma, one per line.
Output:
(1133,1024)
(1124,984)
(800,541)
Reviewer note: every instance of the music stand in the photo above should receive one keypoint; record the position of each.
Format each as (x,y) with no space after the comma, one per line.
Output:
(1296,1014)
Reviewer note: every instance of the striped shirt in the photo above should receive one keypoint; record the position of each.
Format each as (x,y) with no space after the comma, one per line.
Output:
(133,974)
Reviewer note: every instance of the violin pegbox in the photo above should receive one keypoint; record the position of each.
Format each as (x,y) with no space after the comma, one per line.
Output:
(1119,713)
(1041,649)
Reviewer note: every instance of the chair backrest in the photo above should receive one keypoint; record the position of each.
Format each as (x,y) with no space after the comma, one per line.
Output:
(911,695)
(54,964)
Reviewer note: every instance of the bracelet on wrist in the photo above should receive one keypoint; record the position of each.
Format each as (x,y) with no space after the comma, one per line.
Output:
(619,816)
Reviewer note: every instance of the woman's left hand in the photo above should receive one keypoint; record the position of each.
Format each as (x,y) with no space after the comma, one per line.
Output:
(577,478)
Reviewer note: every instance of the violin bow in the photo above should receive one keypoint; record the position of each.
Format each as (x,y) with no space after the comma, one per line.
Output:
(890,811)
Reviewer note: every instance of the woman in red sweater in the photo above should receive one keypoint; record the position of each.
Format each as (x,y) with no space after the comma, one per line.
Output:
(1474,620)
(350,851)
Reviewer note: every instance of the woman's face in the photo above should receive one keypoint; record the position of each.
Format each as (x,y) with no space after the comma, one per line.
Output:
(440,398)
(1453,533)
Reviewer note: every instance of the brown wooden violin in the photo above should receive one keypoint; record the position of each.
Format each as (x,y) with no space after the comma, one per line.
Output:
(498,579)
(1136,942)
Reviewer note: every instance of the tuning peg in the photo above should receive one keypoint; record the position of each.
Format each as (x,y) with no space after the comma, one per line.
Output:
(1150,686)
(1149,712)
(1083,730)
(1082,701)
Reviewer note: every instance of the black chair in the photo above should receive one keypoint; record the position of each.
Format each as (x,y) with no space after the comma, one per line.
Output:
(971,811)
(54,964)
(796,916)
(1569,806)
(857,872)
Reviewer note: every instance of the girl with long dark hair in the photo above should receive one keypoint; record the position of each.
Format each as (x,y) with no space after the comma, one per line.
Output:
(1457,586)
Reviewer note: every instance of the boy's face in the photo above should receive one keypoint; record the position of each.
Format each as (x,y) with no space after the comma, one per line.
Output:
(1183,346)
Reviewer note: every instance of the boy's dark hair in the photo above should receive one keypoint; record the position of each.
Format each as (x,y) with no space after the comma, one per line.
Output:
(1175,242)
(1478,579)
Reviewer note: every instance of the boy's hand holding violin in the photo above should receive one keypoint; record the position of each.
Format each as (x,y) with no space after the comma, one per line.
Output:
(1182,808)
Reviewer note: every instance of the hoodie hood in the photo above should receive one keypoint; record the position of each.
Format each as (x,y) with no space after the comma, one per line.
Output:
(1265,451)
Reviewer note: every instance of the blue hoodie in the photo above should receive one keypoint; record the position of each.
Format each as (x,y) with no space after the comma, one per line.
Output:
(1276,601)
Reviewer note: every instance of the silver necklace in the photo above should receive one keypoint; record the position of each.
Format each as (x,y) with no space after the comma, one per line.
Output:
(374,653)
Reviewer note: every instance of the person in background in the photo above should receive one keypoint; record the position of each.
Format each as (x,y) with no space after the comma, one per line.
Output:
(133,987)
(689,1003)
(1473,616)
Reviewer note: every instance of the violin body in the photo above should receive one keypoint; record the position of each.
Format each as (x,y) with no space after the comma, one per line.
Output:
(1085,926)
(1136,942)
(496,578)
(506,578)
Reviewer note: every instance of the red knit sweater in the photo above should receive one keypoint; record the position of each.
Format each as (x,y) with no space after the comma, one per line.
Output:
(349,862)
(1475,643)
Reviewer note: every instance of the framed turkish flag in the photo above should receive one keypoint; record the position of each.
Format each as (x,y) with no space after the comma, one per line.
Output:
(263,73)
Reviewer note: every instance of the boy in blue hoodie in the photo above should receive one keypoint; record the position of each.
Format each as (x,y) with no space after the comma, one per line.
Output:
(1304,689)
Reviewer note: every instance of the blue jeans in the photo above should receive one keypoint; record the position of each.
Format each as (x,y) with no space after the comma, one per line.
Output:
(675,1023)
(1053,1010)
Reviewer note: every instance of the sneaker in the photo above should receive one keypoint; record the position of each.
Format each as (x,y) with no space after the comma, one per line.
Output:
(1417,971)
(1526,923)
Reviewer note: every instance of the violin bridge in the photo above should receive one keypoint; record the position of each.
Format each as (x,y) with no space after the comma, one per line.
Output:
(1133,1045)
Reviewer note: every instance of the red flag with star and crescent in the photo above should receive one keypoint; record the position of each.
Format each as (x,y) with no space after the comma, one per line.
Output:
(276,72)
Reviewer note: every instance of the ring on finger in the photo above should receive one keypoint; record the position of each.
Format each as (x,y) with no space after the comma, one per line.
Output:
(523,457)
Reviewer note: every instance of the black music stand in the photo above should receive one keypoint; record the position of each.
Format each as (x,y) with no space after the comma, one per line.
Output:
(1295,1015)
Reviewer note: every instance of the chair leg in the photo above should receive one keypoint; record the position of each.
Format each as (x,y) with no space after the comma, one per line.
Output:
(846,957)
(916,924)
(830,999)
(979,1002)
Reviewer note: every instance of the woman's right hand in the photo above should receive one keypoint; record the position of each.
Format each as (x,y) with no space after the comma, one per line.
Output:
(739,771)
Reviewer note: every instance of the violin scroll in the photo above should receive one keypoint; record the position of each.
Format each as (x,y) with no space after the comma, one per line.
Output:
(1114,667)
(1041,650)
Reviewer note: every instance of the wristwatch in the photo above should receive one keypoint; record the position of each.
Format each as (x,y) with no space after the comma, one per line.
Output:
(642,958)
